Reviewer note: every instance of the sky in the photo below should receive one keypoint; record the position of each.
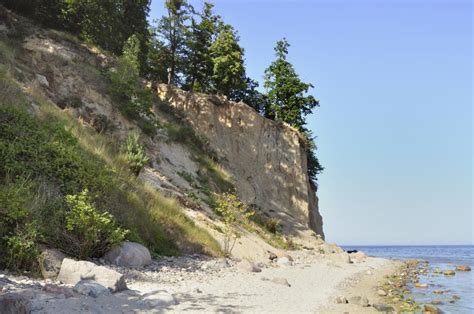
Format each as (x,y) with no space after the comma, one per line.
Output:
(394,126)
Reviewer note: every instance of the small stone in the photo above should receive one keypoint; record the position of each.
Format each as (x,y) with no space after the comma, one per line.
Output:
(362,301)
(449,273)
(381,293)
(430,308)
(159,299)
(283,261)
(272,256)
(281,281)
(436,302)
(438,292)
(383,307)
(340,300)
(463,268)
(247,266)
(456,297)
(421,285)
(42,80)
(58,290)
(91,288)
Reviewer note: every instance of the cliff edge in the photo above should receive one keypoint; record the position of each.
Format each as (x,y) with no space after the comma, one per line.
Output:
(265,158)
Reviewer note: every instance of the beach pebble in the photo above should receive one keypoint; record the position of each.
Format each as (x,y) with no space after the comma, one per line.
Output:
(91,288)
(421,285)
(381,293)
(340,300)
(281,281)
(159,299)
(248,266)
(383,307)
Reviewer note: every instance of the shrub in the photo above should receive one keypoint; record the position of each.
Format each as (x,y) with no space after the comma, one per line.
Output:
(230,208)
(135,154)
(134,100)
(18,231)
(89,232)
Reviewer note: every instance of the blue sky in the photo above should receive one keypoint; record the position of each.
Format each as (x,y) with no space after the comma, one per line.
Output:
(394,79)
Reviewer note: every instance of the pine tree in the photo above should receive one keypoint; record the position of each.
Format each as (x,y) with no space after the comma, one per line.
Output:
(288,101)
(200,39)
(286,92)
(228,63)
(172,30)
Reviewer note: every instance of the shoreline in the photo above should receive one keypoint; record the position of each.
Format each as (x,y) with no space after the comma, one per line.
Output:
(300,282)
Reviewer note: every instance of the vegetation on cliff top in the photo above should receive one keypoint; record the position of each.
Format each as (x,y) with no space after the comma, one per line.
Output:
(193,50)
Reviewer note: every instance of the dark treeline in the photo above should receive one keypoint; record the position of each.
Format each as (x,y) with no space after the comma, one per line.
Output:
(192,49)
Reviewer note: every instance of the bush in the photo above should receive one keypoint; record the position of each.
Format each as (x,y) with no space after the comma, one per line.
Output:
(135,154)
(89,232)
(134,100)
(18,231)
(230,208)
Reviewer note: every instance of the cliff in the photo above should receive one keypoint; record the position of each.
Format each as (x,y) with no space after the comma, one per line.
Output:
(266,158)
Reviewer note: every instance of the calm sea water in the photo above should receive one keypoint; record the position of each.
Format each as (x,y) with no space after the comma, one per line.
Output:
(442,257)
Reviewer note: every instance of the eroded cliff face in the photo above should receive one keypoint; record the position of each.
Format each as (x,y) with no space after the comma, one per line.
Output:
(266,158)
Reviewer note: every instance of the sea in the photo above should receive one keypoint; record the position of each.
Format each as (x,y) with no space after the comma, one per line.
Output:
(442,257)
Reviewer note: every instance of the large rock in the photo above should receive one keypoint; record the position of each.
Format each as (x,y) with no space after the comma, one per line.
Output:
(129,254)
(50,261)
(73,272)
(15,303)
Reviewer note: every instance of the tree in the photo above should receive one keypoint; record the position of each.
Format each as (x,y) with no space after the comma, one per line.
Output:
(228,63)
(288,102)
(199,60)
(287,97)
(251,96)
(172,29)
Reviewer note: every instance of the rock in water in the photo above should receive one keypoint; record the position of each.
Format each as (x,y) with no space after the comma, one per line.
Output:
(248,266)
(431,309)
(50,261)
(421,285)
(73,272)
(449,273)
(463,268)
(14,303)
(129,254)
(383,308)
(91,288)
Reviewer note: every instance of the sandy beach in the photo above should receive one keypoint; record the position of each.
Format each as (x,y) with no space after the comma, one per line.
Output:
(308,284)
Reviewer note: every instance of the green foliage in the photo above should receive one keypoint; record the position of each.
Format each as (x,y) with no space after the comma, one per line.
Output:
(231,209)
(286,92)
(89,232)
(199,40)
(135,154)
(287,101)
(106,23)
(134,100)
(18,232)
(228,62)
(172,31)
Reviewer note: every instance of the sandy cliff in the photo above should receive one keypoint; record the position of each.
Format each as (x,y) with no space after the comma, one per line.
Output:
(265,158)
